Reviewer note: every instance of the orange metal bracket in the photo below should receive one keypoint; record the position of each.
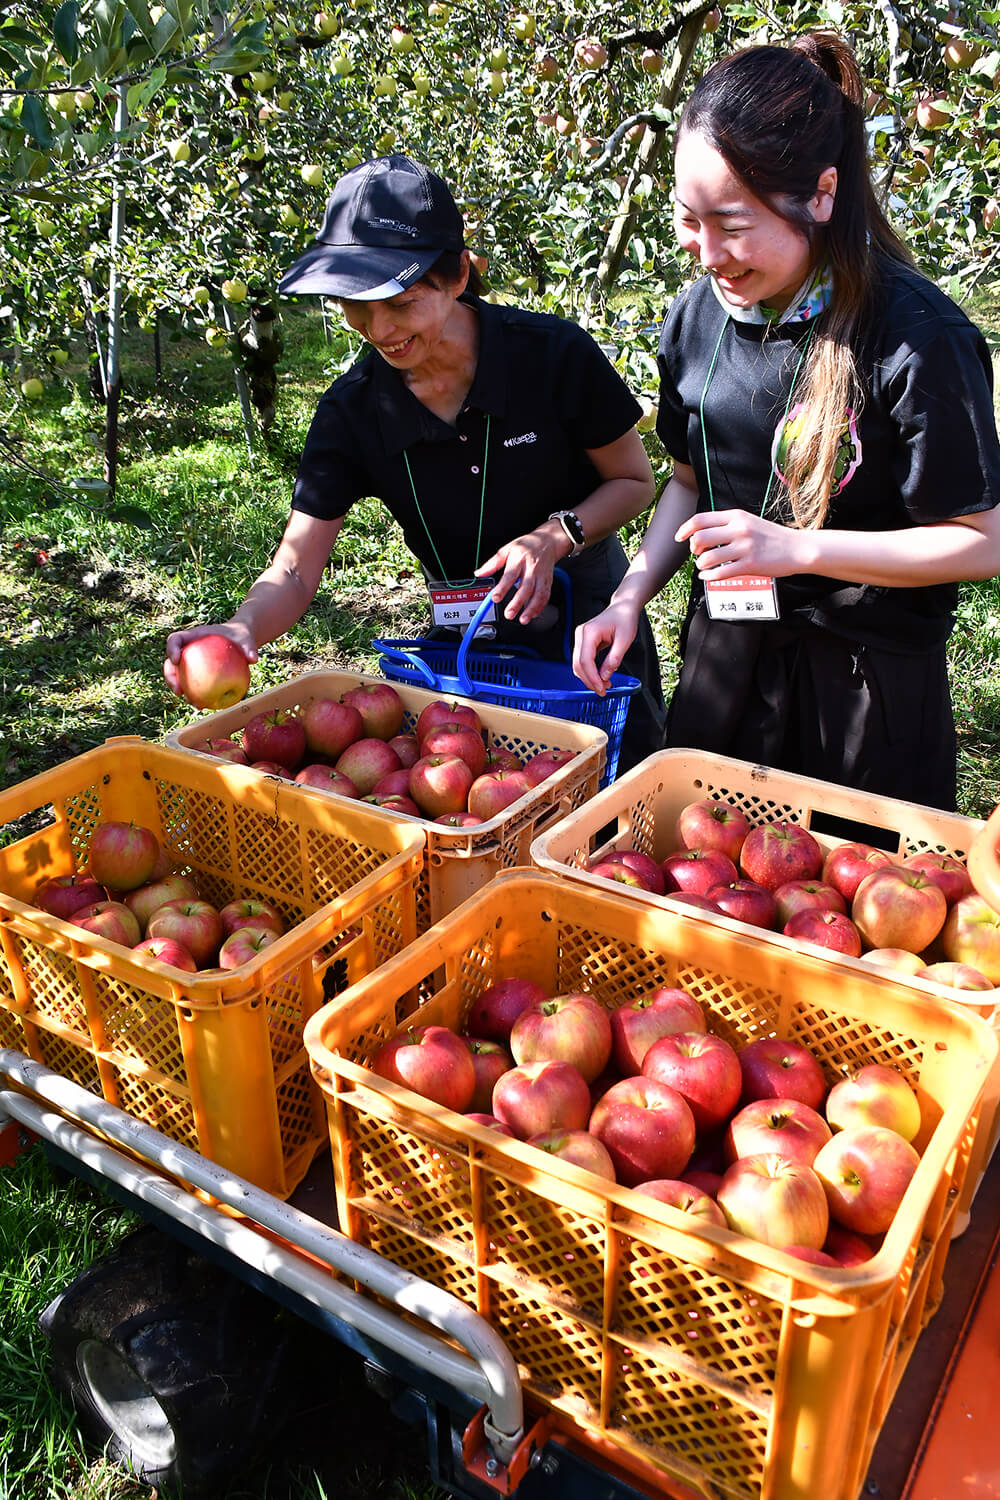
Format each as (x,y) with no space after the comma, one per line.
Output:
(503,1478)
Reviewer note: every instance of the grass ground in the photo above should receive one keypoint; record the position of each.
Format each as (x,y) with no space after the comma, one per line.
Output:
(85,605)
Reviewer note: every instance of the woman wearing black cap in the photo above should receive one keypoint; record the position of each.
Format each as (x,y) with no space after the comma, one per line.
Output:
(502,441)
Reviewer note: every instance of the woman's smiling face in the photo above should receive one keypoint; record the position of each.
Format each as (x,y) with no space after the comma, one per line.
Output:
(754,254)
(407,329)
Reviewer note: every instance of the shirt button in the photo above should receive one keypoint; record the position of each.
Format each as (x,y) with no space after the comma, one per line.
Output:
(475,468)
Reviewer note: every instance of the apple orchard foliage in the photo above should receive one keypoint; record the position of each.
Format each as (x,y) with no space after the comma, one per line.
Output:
(239,119)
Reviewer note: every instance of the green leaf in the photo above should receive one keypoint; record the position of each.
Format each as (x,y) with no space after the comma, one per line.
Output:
(36,122)
(132,515)
(20,36)
(64,30)
(92,486)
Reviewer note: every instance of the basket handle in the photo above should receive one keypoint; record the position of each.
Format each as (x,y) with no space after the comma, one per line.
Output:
(465,682)
(394,653)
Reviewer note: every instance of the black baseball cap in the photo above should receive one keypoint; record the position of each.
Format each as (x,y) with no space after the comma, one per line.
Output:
(385,225)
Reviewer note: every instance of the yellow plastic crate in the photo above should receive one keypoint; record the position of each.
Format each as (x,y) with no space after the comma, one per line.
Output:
(640,811)
(693,1355)
(458,861)
(215,1059)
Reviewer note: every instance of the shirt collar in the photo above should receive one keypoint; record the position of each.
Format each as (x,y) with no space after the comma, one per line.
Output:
(403,420)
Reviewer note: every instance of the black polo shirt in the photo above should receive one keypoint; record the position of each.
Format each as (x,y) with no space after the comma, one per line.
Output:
(922,449)
(548,392)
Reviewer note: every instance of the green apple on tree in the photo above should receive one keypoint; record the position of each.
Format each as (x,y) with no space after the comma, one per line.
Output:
(438,12)
(312,174)
(235,290)
(200,295)
(421,85)
(66,104)
(352,158)
(495,82)
(59,356)
(343,65)
(84,101)
(256,151)
(215,336)
(288,216)
(523,26)
(284,99)
(385,86)
(178,151)
(32,388)
(385,142)
(263,81)
(45,228)
(498,59)
(469,76)
(401,40)
(326,23)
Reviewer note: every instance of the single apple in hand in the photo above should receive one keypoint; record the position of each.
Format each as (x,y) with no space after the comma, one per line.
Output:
(682,1195)
(865,1172)
(493,1012)
(781,1127)
(847,865)
(578,1147)
(711,823)
(774,853)
(568,1028)
(898,908)
(432,1061)
(776,1201)
(535,1097)
(637,1024)
(779,1068)
(122,856)
(212,672)
(828,929)
(647,1127)
(874,1095)
(703,1068)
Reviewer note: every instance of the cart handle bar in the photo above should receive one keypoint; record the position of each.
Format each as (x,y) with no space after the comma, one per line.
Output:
(486,1370)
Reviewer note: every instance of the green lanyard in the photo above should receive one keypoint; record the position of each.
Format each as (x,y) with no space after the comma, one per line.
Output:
(784,419)
(482,505)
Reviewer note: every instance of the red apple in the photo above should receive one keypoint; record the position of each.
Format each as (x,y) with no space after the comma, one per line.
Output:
(224,748)
(568,1028)
(248,911)
(534,1097)
(639,863)
(331,726)
(243,945)
(479,1118)
(166,951)
(393,783)
(213,672)
(700,903)
(122,856)
(145,899)
(620,873)
(775,1201)
(381,708)
(681,1194)
(62,895)
(814,1257)
(276,736)
(578,1147)
(196,925)
(828,929)
(459,820)
(779,1068)
(697,870)
(366,762)
(394,804)
(746,901)
(456,739)
(957,976)
(780,1127)
(944,870)
(713,824)
(848,1249)
(538,768)
(647,1128)
(898,908)
(407,748)
(489,1059)
(441,784)
(895,958)
(432,1061)
(327,779)
(874,1095)
(846,866)
(865,1172)
(443,710)
(500,759)
(495,791)
(637,1024)
(493,1012)
(111,920)
(701,1178)
(774,853)
(703,1068)
(806,895)
(971,935)
(271,768)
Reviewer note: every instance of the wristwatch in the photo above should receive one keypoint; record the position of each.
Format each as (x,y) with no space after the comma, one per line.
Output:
(573,527)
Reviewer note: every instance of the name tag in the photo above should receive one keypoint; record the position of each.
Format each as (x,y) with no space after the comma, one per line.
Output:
(751,598)
(455,604)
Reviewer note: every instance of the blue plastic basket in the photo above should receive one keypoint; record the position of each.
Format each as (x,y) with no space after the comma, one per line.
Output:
(512,678)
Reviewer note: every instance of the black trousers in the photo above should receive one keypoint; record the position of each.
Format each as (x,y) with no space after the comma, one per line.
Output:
(797,697)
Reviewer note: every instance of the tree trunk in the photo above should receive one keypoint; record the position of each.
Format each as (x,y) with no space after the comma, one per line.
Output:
(261,345)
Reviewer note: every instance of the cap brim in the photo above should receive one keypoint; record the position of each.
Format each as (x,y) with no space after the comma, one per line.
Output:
(360,272)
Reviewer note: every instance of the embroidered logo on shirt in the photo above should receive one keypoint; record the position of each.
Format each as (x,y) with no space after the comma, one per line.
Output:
(515,442)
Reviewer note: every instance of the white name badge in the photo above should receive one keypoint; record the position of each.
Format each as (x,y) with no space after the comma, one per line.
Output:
(750,598)
(455,604)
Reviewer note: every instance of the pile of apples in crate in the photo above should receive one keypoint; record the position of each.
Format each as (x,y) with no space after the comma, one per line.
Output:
(751,1138)
(919,914)
(355,746)
(130,894)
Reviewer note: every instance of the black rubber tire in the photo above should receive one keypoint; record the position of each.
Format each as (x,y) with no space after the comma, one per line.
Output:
(177,1370)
